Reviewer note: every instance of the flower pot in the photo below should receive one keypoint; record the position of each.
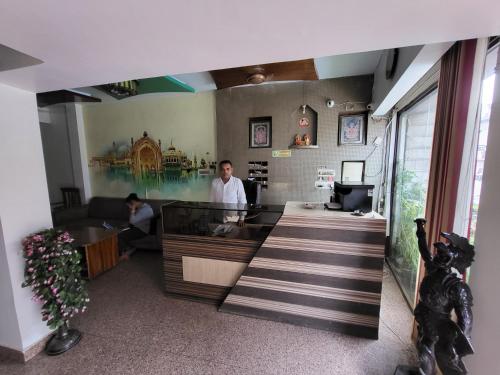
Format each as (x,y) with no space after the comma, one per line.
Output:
(63,340)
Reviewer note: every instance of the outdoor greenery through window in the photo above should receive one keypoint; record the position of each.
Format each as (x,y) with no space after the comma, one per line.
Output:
(413,154)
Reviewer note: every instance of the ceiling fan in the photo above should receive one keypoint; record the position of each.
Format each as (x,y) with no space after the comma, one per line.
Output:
(300,70)
(258,75)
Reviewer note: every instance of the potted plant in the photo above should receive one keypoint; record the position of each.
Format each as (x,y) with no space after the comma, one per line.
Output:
(53,272)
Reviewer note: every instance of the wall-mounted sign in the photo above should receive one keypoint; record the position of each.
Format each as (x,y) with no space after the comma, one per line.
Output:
(325,178)
(282,153)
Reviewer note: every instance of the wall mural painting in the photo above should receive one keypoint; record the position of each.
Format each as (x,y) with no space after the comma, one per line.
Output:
(144,167)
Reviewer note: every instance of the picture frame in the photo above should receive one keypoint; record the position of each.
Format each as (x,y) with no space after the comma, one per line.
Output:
(353,128)
(260,132)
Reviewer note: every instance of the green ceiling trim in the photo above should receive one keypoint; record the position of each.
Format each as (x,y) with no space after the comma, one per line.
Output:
(162,84)
(185,86)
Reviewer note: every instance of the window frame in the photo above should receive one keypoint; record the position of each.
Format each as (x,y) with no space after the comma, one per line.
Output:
(420,97)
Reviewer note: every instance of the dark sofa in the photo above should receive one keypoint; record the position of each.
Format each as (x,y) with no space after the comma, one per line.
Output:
(115,212)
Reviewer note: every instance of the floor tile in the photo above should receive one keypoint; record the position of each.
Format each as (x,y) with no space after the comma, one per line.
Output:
(131,327)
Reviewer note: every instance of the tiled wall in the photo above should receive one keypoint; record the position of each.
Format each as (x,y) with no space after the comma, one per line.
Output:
(293,178)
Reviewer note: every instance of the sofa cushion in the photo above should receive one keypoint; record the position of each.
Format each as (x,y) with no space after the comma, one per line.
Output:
(68,215)
(108,208)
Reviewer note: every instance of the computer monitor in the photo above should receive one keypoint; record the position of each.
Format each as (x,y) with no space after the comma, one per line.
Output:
(352,171)
(253,191)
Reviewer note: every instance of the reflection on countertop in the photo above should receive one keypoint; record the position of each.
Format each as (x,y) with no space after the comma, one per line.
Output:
(318,210)
(219,219)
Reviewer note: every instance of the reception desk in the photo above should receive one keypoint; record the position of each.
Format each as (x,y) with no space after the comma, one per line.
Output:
(317,268)
(309,267)
(204,249)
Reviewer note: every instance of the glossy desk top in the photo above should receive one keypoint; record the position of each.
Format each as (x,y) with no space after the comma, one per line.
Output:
(219,219)
(225,206)
(84,235)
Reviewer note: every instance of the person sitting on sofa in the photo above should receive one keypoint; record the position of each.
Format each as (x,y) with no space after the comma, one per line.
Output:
(140,217)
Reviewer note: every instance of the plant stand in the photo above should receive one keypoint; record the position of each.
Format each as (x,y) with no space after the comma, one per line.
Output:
(63,340)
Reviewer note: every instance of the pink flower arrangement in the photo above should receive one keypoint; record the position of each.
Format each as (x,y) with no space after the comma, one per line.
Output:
(53,271)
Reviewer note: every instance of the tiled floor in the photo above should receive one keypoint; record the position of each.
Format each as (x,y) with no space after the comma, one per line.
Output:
(132,328)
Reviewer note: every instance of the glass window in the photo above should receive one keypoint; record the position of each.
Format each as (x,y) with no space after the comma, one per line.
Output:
(487,88)
(415,131)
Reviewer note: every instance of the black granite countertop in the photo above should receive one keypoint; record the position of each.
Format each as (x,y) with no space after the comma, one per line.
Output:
(219,219)
(226,206)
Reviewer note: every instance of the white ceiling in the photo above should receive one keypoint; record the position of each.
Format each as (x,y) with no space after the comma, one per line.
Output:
(92,42)
(353,64)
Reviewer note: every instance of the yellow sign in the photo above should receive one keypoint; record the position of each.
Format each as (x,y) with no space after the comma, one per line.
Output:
(282,153)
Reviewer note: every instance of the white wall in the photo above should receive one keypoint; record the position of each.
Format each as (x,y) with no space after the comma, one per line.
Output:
(78,149)
(57,152)
(381,85)
(485,275)
(24,208)
(64,149)
(10,335)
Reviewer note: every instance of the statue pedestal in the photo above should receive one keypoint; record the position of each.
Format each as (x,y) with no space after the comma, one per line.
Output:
(407,370)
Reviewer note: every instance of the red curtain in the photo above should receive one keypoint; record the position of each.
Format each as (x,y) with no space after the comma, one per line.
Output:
(454,89)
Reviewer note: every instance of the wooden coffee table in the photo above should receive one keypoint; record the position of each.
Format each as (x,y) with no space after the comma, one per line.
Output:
(100,246)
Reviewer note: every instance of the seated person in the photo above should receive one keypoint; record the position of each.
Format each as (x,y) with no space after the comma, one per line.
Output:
(139,224)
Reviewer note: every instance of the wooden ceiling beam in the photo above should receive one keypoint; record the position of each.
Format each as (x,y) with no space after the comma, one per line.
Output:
(300,70)
(63,96)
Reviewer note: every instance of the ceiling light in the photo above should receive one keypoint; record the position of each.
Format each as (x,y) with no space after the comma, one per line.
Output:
(121,90)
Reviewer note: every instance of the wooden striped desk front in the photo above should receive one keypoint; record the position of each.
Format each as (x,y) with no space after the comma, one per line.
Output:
(199,261)
(179,249)
(318,269)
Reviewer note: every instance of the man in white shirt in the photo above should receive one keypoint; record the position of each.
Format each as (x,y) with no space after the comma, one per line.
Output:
(228,189)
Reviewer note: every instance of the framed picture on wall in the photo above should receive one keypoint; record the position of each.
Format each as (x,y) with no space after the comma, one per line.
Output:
(353,128)
(260,132)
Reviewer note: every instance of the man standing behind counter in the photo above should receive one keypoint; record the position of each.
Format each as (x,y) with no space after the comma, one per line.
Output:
(228,189)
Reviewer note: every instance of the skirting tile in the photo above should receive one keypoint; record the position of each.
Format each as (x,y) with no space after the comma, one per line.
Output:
(23,357)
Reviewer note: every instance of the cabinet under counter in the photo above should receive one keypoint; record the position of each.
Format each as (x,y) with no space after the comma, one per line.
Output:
(205,250)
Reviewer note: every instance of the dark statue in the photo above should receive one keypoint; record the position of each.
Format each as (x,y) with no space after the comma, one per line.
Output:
(441,340)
